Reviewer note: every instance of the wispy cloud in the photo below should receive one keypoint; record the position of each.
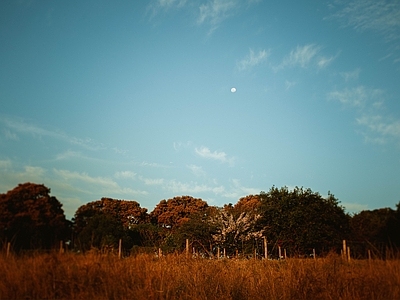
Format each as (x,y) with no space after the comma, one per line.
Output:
(351,75)
(290,84)
(216,11)
(178,187)
(152,181)
(358,97)
(10,135)
(385,128)
(237,191)
(196,170)
(20,126)
(219,156)
(301,56)
(252,59)
(95,184)
(157,6)
(323,62)
(354,207)
(5,164)
(125,175)
(380,16)
(380,128)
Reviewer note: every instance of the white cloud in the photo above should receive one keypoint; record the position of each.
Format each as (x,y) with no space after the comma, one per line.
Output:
(356,97)
(379,127)
(379,16)
(170,3)
(354,207)
(5,164)
(152,181)
(290,84)
(325,61)
(103,184)
(237,190)
(252,59)
(384,127)
(216,11)
(10,135)
(191,188)
(196,170)
(351,75)
(125,175)
(359,97)
(68,154)
(220,156)
(301,56)
(38,132)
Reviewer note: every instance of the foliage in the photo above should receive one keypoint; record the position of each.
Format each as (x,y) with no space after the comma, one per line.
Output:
(103,231)
(250,203)
(103,222)
(128,212)
(376,229)
(174,212)
(301,220)
(232,232)
(30,218)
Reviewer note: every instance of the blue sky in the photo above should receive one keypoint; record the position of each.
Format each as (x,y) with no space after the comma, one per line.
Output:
(132,99)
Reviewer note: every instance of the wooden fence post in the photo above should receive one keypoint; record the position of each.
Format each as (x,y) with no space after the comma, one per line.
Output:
(313,251)
(218,252)
(279,252)
(348,253)
(61,247)
(344,252)
(265,248)
(8,248)
(187,247)
(120,249)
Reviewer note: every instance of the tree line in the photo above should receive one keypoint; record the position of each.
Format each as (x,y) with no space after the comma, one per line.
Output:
(300,221)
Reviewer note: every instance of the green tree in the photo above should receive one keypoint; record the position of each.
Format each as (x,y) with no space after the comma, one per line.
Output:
(91,221)
(301,220)
(199,230)
(376,229)
(101,231)
(128,212)
(32,219)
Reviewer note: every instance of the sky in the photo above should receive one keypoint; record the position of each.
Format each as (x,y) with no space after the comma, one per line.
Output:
(132,99)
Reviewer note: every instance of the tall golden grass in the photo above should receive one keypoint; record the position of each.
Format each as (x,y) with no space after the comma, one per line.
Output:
(144,276)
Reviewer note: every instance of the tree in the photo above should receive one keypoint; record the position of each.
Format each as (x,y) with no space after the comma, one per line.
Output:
(250,203)
(233,232)
(101,231)
(301,220)
(32,219)
(376,229)
(174,212)
(128,212)
(199,230)
(103,222)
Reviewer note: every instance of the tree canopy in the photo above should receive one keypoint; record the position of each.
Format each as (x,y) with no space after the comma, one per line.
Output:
(302,220)
(174,212)
(30,218)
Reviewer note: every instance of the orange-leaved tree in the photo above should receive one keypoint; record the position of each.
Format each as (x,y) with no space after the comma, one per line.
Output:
(174,212)
(32,219)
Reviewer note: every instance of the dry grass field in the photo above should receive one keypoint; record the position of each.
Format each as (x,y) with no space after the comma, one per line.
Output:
(91,276)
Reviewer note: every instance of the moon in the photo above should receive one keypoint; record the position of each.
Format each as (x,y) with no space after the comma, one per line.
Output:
(233,90)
